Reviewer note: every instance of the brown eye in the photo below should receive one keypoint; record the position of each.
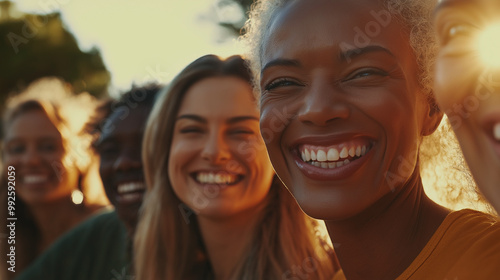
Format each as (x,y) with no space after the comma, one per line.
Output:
(457,31)
(281,82)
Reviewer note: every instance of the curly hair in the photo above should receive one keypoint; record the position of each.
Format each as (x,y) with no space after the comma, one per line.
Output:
(414,15)
(452,185)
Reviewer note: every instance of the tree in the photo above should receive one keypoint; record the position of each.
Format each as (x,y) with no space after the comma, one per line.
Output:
(35,45)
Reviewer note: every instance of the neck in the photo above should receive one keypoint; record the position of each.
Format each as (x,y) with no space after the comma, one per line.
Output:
(54,218)
(382,242)
(226,240)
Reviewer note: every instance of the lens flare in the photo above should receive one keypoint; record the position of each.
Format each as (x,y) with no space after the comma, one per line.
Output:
(489,46)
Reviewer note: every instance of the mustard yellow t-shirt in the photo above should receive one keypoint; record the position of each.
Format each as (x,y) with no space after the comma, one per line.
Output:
(465,246)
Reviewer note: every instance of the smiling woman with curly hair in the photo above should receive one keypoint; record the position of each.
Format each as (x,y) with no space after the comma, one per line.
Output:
(355,79)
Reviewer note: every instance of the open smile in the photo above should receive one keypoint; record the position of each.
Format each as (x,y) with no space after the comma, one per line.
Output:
(216,177)
(332,162)
(130,192)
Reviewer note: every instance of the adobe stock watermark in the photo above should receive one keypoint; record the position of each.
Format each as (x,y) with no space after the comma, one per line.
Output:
(123,275)
(301,271)
(33,25)
(363,37)
(278,121)
(248,151)
(404,170)
(201,197)
(154,76)
(488,83)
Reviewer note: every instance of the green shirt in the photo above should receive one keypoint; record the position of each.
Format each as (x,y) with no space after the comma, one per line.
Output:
(96,249)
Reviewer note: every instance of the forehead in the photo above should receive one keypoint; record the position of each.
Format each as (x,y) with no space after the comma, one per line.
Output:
(219,96)
(32,123)
(485,7)
(334,25)
(125,120)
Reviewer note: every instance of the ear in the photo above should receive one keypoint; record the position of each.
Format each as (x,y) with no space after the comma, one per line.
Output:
(432,119)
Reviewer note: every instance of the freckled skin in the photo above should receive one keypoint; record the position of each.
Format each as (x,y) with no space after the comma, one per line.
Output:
(468,92)
(329,97)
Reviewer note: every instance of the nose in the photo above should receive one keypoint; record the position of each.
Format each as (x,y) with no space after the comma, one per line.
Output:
(128,160)
(31,157)
(323,103)
(216,150)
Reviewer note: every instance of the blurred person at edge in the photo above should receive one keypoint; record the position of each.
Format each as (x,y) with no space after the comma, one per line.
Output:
(355,78)
(467,84)
(214,208)
(56,180)
(100,248)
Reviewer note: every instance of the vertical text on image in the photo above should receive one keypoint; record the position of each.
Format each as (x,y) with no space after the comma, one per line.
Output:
(11,217)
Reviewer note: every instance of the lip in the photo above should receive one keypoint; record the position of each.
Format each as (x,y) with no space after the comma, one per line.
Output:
(333,174)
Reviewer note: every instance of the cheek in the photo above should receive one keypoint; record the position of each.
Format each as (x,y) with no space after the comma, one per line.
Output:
(10,160)
(455,79)
(177,161)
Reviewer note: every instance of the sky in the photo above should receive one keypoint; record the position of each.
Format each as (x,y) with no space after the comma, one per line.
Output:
(146,40)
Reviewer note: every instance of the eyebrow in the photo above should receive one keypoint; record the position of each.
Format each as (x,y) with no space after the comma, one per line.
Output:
(344,56)
(281,62)
(229,121)
(353,53)
(450,4)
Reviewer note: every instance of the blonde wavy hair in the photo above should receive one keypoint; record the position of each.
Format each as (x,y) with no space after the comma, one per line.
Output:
(168,244)
(69,114)
(447,177)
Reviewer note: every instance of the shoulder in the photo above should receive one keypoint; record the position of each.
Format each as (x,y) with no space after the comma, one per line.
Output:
(473,226)
(478,236)
(466,245)
(98,245)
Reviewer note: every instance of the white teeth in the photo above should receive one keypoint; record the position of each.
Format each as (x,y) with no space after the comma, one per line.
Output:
(330,164)
(332,158)
(321,156)
(333,155)
(352,152)
(215,178)
(307,154)
(34,179)
(344,153)
(313,155)
(130,187)
(496,131)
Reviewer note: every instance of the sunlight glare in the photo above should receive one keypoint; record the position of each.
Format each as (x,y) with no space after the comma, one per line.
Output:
(489,46)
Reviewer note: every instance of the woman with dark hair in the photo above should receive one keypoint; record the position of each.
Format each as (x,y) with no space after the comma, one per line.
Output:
(100,248)
(213,208)
(56,181)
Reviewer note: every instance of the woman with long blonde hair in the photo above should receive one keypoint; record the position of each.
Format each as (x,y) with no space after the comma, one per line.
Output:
(214,209)
(53,178)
